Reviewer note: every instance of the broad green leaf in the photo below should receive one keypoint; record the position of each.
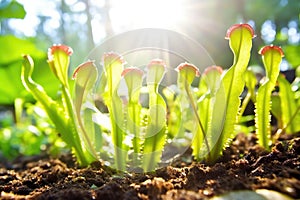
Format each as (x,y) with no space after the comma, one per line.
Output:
(12,9)
(292,54)
(12,49)
(272,56)
(11,87)
(42,75)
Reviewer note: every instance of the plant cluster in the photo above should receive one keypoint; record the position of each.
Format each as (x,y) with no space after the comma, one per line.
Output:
(135,134)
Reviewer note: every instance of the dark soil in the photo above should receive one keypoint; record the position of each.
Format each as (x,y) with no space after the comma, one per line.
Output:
(244,165)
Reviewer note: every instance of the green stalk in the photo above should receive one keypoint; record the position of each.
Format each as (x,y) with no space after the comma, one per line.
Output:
(195,109)
(69,107)
(174,119)
(133,77)
(281,130)
(186,74)
(18,106)
(250,82)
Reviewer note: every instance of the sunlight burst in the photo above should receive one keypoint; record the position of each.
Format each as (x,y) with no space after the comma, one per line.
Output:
(145,13)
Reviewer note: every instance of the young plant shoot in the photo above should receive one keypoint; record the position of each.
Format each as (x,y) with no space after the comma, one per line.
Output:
(61,111)
(85,77)
(186,74)
(227,101)
(113,66)
(272,56)
(209,85)
(156,128)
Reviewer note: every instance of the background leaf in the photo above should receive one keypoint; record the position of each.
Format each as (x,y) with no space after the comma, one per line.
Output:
(12,9)
(292,54)
(11,59)
(288,106)
(12,49)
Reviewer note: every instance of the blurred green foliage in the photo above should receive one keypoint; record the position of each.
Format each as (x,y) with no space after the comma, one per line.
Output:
(24,127)
(11,9)
(292,53)
(11,52)
(207,22)
(80,24)
(30,134)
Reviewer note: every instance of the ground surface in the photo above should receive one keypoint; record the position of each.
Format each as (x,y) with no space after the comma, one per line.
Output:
(243,166)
